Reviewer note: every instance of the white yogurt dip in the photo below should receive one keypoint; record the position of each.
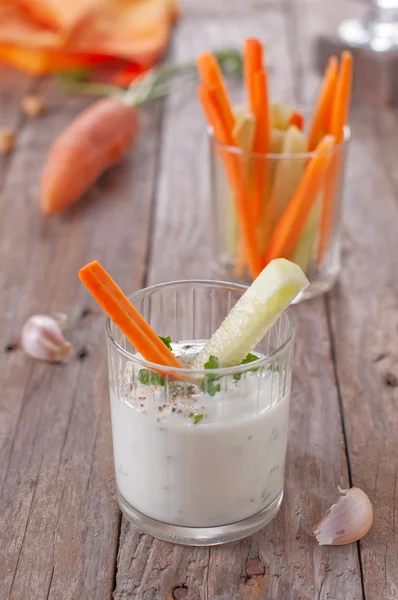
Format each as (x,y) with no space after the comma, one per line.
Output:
(225,468)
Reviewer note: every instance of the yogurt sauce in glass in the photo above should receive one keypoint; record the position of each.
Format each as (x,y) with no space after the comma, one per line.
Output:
(187,458)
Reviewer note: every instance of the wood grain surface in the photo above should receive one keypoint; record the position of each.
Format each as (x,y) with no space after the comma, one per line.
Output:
(149,220)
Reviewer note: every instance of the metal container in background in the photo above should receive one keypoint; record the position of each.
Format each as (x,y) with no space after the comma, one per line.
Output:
(373,40)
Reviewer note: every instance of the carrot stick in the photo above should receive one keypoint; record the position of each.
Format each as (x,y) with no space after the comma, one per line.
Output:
(99,137)
(297,119)
(209,101)
(339,118)
(261,139)
(210,73)
(287,231)
(117,306)
(321,118)
(341,101)
(252,63)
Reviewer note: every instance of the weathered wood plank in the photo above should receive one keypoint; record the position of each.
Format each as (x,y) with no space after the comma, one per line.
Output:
(14,86)
(58,515)
(363,312)
(287,560)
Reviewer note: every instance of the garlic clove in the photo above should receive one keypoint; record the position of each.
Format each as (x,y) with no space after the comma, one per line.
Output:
(61,319)
(42,338)
(347,521)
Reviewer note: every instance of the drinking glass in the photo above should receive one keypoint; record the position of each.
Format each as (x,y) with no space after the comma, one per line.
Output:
(199,453)
(317,250)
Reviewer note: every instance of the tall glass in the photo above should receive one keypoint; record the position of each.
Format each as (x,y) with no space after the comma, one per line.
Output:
(199,454)
(317,247)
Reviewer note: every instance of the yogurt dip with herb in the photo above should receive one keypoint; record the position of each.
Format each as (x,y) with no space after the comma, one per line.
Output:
(200,455)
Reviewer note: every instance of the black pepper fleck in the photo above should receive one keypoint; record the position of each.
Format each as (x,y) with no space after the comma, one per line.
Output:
(86,312)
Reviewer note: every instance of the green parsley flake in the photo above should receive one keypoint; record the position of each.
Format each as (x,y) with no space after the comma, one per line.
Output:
(148,377)
(196,417)
(208,384)
(249,359)
(166,341)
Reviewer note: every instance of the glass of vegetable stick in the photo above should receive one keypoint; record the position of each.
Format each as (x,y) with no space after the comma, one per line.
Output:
(200,415)
(277,185)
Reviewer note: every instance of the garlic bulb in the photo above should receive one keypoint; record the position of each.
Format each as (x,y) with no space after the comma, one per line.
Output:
(346,521)
(42,338)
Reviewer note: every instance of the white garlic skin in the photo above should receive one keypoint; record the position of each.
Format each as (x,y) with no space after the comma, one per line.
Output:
(42,338)
(347,521)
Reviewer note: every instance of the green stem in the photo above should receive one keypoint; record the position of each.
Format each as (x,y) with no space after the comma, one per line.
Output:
(155,84)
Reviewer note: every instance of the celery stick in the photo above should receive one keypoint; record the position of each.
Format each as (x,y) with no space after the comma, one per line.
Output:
(281,115)
(308,239)
(277,138)
(288,172)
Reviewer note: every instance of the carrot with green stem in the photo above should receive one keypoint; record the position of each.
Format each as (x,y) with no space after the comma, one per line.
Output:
(338,120)
(125,316)
(291,224)
(103,133)
(212,110)
(320,123)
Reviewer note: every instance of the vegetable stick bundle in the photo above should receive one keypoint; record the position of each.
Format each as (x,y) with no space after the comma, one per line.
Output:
(283,183)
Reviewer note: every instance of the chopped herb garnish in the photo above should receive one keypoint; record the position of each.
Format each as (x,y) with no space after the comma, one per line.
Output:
(249,359)
(212,388)
(208,384)
(166,341)
(148,377)
(212,363)
(196,417)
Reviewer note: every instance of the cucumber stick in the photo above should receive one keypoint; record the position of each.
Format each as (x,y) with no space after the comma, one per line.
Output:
(288,172)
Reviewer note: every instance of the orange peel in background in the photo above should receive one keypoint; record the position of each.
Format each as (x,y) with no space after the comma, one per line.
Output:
(43,36)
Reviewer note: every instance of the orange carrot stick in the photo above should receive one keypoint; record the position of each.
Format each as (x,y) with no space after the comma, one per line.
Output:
(117,306)
(252,63)
(99,137)
(341,101)
(209,101)
(297,119)
(287,231)
(210,73)
(261,140)
(321,118)
(339,118)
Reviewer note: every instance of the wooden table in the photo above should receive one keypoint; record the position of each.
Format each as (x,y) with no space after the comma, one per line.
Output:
(148,220)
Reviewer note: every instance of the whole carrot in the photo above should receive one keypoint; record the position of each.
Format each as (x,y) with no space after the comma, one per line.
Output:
(103,133)
(99,137)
